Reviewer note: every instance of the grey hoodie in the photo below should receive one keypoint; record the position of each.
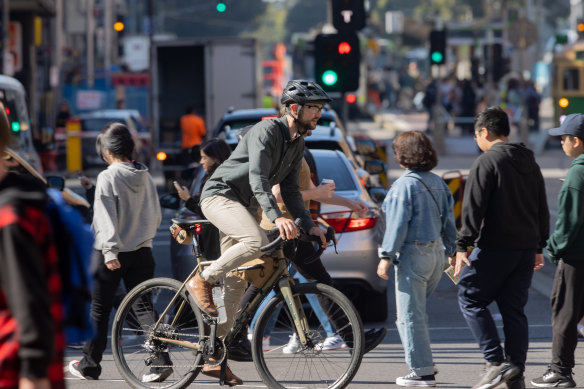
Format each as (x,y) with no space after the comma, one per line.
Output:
(126,209)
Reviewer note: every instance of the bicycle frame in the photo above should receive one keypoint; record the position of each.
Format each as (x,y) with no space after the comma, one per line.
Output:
(281,277)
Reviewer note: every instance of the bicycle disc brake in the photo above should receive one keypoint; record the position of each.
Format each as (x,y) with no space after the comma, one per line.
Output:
(218,356)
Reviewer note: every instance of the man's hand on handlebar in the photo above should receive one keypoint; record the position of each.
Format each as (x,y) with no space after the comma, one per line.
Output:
(320,233)
(287,228)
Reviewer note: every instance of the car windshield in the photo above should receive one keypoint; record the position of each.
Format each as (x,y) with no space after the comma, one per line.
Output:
(333,168)
(98,124)
(232,128)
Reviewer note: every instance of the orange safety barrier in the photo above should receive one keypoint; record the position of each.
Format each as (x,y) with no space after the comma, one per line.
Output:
(455,181)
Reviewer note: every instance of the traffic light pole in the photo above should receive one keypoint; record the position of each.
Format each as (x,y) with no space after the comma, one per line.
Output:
(344,109)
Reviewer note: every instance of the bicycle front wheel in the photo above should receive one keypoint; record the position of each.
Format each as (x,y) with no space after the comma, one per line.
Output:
(334,348)
(146,362)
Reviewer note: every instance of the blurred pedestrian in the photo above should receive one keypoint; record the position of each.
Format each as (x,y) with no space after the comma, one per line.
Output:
(123,241)
(193,131)
(213,153)
(31,309)
(566,250)
(505,222)
(63,115)
(532,101)
(420,234)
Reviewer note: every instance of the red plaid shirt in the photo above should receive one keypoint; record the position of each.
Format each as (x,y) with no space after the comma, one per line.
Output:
(34,223)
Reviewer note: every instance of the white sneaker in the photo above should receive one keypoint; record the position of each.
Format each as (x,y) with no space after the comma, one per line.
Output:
(293,345)
(157,376)
(266,343)
(413,379)
(331,343)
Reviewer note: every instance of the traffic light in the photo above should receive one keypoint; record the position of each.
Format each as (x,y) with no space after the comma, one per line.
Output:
(221,7)
(348,15)
(119,24)
(580,28)
(437,47)
(337,59)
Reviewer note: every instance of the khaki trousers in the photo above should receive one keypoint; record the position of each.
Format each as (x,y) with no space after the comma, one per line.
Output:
(241,239)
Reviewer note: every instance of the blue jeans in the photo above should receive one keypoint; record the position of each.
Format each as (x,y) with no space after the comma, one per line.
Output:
(322,317)
(417,273)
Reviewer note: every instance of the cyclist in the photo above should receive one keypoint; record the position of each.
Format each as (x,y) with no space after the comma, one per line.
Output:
(240,349)
(269,154)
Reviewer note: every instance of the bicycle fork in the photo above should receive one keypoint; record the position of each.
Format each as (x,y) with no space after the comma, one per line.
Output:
(295,306)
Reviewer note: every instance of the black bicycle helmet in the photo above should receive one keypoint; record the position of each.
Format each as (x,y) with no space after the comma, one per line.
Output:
(302,92)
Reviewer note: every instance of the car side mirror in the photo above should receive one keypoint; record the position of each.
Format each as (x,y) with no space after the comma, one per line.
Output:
(57,182)
(170,201)
(377,193)
(365,146)
(374,167)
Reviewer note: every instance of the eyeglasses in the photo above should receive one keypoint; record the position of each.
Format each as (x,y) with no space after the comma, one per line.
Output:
(476,133)
(314,108)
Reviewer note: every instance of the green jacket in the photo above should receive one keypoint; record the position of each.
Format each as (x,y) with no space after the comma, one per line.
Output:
(264,157)
(567,241)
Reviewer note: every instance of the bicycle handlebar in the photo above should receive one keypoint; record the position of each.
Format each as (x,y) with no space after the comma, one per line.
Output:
(304,236)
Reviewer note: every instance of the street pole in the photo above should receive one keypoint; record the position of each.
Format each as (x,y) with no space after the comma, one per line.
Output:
(3,34)
(108,35)
(153,128)
(90,66)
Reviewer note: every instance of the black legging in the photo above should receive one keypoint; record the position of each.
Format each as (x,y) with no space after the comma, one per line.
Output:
(314,271)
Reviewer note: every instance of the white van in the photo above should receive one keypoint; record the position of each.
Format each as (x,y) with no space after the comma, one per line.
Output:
(13,96)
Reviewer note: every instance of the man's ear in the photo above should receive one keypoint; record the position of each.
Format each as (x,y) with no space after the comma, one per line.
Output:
(294,109)
(578,143)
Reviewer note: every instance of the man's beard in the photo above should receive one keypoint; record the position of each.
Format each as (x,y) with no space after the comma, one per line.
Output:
(305,127)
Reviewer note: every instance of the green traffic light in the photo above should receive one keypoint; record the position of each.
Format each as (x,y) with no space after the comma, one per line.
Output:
(437,57)
(221,7)
(15,126)
(329,77)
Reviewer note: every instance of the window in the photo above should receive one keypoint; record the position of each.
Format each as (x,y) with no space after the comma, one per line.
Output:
(332,167)
(571,79)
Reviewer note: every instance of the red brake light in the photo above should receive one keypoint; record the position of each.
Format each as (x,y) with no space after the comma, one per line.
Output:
(348,221)
(198,228)
(269,117)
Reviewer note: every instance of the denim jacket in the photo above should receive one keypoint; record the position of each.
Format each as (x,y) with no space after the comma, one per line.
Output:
(412,215)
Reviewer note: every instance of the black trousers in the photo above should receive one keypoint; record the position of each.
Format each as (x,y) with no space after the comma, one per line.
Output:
(313,272)
(567,301)
(503,276)
(136,267)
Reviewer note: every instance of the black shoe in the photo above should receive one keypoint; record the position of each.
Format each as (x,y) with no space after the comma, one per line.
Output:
(517,382)
(373,337)
(496,374)
(553,379)
(239,350)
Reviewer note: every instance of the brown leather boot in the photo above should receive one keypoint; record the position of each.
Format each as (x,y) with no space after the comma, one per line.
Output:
(215,371)
(202,293)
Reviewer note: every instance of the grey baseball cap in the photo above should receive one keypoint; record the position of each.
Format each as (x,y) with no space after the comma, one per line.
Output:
(573,125)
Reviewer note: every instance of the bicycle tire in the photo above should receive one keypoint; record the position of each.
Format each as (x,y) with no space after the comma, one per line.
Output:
(310,367)
(138,357)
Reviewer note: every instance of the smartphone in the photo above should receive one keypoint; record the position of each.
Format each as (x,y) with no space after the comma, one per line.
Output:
(327,181)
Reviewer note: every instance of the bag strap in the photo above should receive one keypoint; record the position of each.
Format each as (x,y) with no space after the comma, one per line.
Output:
(433,198)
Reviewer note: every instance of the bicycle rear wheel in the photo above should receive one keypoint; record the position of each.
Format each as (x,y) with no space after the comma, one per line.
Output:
(334,350)
(145,362)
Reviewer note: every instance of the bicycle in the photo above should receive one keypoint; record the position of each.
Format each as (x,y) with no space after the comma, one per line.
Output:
(170,346)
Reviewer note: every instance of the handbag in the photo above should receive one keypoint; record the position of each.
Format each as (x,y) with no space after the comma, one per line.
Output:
(257,271)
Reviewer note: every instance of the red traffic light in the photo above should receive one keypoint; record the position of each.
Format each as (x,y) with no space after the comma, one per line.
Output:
(351,98)
(344,48)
